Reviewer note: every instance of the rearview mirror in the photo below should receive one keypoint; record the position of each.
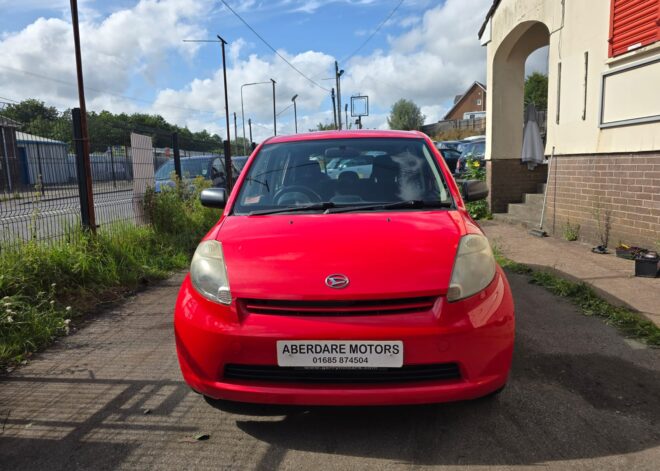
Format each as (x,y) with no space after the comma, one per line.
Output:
(474,190)
(213,197)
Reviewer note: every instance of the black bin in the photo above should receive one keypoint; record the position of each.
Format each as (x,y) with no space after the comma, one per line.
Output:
(647,265)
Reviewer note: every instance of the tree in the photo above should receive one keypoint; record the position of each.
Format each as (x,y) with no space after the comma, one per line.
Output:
(30,110)
(324,127)
(536,90)
(240,146)
(405,115)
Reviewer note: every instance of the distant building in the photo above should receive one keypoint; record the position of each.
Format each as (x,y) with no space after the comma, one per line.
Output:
(43,161)
(473,100)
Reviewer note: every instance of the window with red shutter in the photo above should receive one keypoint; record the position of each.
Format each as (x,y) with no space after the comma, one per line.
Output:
(633,24)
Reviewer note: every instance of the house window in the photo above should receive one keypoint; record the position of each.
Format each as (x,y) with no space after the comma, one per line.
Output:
(633,24)
(479,102)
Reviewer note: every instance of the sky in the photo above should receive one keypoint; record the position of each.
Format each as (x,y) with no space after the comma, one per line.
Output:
(135,58)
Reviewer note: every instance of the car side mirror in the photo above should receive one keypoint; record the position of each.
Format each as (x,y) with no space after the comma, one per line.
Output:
(213,197)
(474,190)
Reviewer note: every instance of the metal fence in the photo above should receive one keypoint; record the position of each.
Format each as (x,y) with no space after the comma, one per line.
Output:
(43,187)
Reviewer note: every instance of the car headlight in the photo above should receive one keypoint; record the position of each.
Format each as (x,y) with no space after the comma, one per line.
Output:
(208,272)
(474,267)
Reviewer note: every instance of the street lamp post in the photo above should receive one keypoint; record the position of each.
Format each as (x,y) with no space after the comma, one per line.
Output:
(243,111)
(295,112)
(274,113)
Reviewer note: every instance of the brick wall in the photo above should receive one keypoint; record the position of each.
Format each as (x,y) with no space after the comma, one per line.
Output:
(509,179)
(620,190)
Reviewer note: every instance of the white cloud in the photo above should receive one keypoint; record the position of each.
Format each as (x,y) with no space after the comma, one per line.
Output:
(437,57)
(537,61)
(112,50)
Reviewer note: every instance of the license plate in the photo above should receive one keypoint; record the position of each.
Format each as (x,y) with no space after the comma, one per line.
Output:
(340,353)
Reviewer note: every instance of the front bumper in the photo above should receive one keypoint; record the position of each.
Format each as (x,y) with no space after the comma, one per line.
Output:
(476,333)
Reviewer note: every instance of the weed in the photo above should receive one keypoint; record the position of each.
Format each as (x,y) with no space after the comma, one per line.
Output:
(571,231)
(479,209)
(603,221)
(42,285)
(628,322)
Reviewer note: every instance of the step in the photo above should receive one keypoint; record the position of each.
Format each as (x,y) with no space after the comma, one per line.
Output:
(525,212)
(533,199)
(508,219)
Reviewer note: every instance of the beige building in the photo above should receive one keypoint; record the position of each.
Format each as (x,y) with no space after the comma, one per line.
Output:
(603,120)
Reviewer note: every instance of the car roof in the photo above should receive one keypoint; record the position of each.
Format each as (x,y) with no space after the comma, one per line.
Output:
(200,157)
(345,134)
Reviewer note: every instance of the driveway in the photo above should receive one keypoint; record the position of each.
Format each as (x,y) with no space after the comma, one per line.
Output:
(111,397)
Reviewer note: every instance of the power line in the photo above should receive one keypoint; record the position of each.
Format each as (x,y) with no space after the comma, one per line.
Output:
(282,111)
(273,49)
(115,94)
(382,23)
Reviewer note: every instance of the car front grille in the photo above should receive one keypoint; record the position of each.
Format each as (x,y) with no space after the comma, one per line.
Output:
(337,308)
(407,373)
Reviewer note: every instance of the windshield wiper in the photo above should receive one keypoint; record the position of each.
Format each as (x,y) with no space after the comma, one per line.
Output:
(310,207)
(410,204)
(264,183)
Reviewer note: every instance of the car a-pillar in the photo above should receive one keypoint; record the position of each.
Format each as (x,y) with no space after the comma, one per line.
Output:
(507,176)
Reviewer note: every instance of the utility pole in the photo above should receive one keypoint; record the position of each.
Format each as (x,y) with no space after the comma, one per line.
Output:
(228,153)
(250,126)
(346,113)
(274,114)
(338,74)
(86,165)
(334,110)
(224,75)
(295,112)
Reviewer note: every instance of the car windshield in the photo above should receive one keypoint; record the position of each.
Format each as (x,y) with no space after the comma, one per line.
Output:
(330,173)
(190,168)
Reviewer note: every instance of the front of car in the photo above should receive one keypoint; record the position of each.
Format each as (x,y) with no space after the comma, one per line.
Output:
(360,291)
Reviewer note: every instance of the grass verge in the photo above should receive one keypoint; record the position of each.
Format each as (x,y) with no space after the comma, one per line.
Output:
(43,287)
(628,322)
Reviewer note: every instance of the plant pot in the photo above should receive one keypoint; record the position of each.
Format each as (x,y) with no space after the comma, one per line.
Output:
(647,265)
(630,253)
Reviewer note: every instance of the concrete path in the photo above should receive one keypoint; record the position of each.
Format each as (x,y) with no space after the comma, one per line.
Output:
(613,278)
(580,397)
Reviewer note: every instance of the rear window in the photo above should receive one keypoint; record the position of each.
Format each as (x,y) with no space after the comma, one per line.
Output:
(341,171)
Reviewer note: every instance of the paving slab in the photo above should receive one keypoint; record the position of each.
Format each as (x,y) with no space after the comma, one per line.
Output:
(110,397)
(611,277)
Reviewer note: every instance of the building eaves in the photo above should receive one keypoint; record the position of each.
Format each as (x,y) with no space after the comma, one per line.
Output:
(490,13)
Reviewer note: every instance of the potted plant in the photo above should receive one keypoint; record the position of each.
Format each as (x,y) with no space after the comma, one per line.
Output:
(629,252)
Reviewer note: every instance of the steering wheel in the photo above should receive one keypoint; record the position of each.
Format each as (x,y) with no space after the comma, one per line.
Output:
(296,194)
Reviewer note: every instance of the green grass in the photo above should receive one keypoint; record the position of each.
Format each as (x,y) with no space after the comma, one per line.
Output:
(44,286)
(626,321)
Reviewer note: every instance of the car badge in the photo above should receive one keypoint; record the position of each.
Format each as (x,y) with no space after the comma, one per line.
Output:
(336,281)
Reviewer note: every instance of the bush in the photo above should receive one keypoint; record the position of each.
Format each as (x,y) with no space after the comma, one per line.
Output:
(477,209)
(43,287)
(571,231)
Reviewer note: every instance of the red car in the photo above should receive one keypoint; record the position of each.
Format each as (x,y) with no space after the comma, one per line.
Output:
(313,290)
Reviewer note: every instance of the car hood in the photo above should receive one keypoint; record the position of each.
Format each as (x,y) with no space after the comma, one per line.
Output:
(384,255)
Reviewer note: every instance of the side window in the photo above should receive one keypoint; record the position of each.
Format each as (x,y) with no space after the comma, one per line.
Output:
(216,167)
